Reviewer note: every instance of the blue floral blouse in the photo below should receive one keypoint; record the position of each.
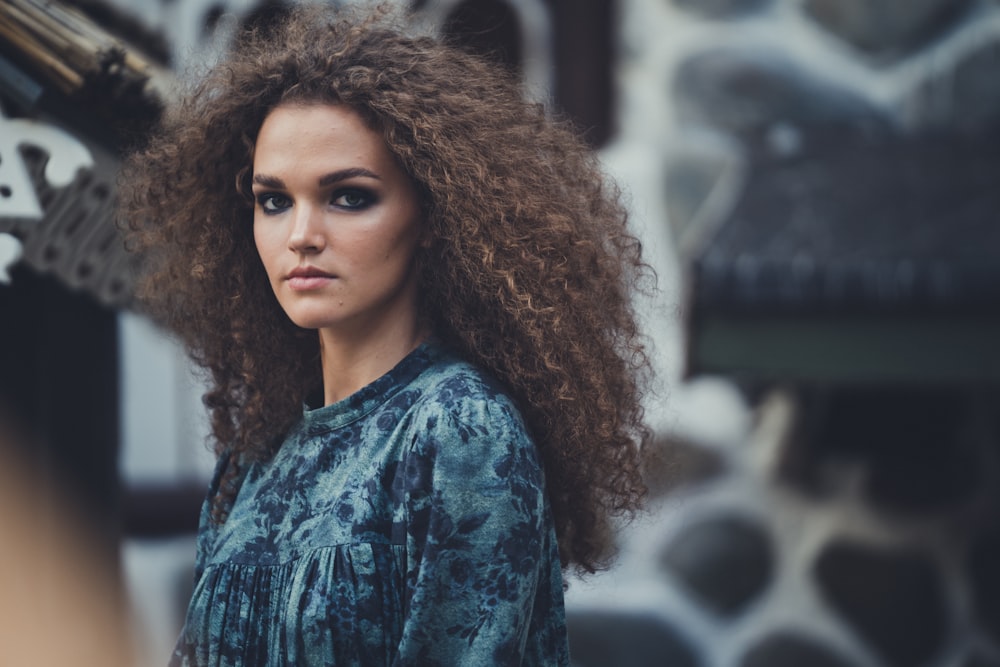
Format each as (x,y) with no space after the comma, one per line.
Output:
(404,525)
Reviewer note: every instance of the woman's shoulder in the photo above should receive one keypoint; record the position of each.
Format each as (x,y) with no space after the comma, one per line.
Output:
(467,429)
(464,392)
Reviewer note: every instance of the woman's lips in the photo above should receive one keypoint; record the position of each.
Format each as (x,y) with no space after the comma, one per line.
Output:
(304,283)
(308,279)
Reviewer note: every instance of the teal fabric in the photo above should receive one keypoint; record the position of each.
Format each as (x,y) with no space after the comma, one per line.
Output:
(404,525)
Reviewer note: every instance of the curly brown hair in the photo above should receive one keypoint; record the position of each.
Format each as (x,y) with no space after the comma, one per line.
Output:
(528,271)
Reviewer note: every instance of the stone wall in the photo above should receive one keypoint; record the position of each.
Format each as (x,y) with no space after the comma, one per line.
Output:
(800,526)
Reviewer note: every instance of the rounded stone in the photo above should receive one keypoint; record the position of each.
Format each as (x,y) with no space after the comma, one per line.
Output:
(792,650)
(750,92)
(725,563)
(887,28)
(722,8)
(669,464)
(892,599)
(984,573)
(899,435)
(625,639)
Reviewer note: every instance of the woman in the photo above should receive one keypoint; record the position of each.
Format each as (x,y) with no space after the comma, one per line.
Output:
(411,291)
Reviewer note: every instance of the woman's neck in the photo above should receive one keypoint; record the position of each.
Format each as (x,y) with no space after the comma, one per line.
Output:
(352,363)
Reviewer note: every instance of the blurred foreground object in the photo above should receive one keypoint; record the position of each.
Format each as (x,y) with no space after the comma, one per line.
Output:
(60,604)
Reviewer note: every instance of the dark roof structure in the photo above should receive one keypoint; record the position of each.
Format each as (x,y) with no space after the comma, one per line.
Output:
(71,96)
(855,260)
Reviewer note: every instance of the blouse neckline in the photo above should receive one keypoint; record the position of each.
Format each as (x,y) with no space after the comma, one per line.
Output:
(364,400)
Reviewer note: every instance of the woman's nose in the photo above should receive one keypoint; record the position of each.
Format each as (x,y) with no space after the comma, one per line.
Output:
(307,233)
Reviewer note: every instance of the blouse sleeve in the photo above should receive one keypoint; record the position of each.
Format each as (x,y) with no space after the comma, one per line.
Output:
(206,527)
(477,519)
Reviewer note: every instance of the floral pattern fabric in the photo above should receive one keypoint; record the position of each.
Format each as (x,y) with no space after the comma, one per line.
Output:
(404,525)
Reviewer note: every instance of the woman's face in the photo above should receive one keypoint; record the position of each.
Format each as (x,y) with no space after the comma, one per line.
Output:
(336,221)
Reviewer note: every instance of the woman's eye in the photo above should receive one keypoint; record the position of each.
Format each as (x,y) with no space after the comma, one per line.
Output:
(273,203)
(353,199)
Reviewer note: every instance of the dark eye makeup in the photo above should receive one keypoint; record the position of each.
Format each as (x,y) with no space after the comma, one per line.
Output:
(273,202)
(350,199)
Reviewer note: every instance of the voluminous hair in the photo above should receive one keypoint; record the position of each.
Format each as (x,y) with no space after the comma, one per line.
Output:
(528,268)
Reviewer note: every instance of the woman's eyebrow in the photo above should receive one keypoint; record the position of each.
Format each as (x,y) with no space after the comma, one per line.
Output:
(268,181)
(326,179)
(344,174)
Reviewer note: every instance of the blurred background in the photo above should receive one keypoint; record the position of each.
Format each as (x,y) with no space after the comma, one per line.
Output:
(816,184)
